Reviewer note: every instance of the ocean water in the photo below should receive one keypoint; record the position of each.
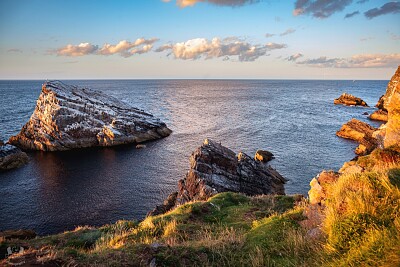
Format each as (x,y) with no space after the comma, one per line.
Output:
(294,119)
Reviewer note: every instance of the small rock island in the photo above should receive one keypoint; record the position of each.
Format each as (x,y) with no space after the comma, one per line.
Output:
(349,100)
(69,117)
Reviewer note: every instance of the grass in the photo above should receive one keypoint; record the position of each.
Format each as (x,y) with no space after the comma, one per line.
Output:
(360,227)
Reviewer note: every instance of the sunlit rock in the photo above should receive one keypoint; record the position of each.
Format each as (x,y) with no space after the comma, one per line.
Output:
(349,100)
(263,155)
(68,117)
(379,115)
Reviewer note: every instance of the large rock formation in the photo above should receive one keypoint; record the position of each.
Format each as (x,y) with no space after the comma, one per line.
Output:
(263,155)
(215,168)
(68,117)
(349,100)
(11,157)
(392,88)
(362,133)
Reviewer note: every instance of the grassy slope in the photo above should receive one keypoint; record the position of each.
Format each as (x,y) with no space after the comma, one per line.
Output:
(361,227)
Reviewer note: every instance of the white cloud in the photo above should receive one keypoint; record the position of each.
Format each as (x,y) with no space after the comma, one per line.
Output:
(294,57)
(82,49)
(123,48)
(217,48)
(288,31)
(356,61)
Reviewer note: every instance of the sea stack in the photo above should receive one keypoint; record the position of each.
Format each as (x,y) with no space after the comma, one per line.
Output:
(349,100)
(11,157)
(69,117)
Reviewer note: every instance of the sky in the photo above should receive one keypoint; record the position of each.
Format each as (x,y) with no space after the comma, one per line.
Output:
(201,39)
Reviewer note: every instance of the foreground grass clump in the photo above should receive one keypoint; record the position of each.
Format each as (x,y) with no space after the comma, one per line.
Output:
(362,216)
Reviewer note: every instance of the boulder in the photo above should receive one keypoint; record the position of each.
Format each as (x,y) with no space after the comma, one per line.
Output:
(263,155)
(349,100)
(11,157)
(362,133)
(215,168)
(68,117)
(379,115)
(320,186)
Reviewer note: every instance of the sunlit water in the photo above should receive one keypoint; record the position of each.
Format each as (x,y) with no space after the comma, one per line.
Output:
(296,120)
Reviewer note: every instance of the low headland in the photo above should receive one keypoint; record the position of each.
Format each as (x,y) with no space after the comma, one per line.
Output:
(222,215)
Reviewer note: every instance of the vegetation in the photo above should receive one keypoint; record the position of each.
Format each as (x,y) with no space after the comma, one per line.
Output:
(360,227)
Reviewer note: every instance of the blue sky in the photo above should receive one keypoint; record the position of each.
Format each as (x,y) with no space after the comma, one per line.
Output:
(299,39)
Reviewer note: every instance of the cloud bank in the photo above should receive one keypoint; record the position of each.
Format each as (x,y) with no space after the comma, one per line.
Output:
(294,57)
(356,61)
(319,8)
(216,48)
(186,3)
(124,48)
(349,15)
(388,8)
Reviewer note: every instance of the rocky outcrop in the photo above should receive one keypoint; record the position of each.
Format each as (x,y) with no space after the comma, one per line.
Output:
(319,186)
(168,204)
(11,157)
(362,133)
(263,155)
(349,100)
(68,117)
(215,168)
(379,115)
(17,234)
(392,87)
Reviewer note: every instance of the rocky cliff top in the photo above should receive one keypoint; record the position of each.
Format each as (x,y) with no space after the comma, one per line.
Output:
(68,117)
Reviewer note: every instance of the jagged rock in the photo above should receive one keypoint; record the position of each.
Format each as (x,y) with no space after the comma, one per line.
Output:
(11,157)
(68,117)
(319,186)
(392,87)
(17,234)
(215,168)
(379,115)
(349,100)
(140,146)
(392,103)
(362,133)
(263,155)
(168,204)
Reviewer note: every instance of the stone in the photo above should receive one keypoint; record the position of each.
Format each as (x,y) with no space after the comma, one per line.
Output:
(140,146)
(69,117)
(320,186)
(362,133)
(12,157)
(365,113)
(379,115)
(351,167)
(349,100)
(215,169)
(263,155)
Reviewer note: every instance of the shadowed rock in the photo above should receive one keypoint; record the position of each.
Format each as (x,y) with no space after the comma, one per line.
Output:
(11,157)
(68,117)
(17,234)
(215,168)
(349,100)
(362,133)
(263,155)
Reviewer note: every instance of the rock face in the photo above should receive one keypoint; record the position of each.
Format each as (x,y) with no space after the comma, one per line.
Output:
(392,104)
(168,204)
(263,155)
(11,157)
(17,234)
(362,133)
(319,185)
(68,117)
(215,168)
(349,100)
(393,86)
(379,115)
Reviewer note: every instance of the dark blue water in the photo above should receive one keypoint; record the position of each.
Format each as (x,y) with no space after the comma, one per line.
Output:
(296,120)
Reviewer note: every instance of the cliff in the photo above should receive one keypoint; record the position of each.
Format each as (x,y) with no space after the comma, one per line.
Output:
(68,117)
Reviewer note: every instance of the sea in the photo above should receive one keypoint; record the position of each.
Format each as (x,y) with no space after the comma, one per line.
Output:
(294,119)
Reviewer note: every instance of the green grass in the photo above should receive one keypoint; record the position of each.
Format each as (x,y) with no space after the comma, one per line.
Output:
(360,227)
